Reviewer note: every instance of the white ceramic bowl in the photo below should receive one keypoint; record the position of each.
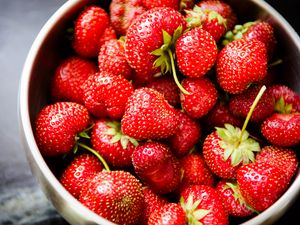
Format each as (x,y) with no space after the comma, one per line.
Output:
(49,48)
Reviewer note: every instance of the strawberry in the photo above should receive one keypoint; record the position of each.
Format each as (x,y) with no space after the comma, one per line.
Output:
(57,126)
(106,94)
(115,195)
(282,129)
(79,171)
(89,27)
(123,13)
(155,164)
(171,214)
(68,79)
(196,52)
(108,140)
(241,63)
(149,116)
(167,87)
(186,4)
(108,34)
(187,135)
(261,184)
(240,104)
(286,100)
(202,204)
(233,201)
(201,98)
(153,202)
(112,59)
(149,4)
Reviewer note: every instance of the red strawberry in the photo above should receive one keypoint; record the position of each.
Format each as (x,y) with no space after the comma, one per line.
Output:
(201,98)
(167,87)
(116,196)
(261,184)
(112,59)
(149,116)
(145,37)
(124,12)
(108,34)
(239,105)
(171,214)
(187,135)
(233,201)
(106,94)
(153,202)
(155,164)
(282,129)
(286,100)
(240,63)
(89,27)
(57,126)
(82,168)
(112,145)
(149,4)
(68,79)
(202,203)
(196,52)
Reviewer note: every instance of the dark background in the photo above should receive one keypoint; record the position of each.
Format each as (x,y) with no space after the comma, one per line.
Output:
(21,200)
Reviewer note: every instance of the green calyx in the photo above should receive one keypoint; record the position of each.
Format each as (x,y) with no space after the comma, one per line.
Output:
(195,17)
(282,107)
(192,213)
(80,135)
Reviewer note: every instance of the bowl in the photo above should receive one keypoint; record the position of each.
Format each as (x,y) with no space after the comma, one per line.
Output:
(50,46)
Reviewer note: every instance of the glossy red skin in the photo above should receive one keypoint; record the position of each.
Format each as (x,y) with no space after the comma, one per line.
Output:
(112,59)
(57,125)
(69,76)
(108,34)
(145,35)
(210,200)
(282,129)
(213,154)
(171,214)
(196,52)
(155,164)
(149,4)
(202,98)
(261,184)
(187,136)
(113,153)
(149,116)
(216,29)
(79,171)
(123,13)
(116,196)
(241,63)
(232,205)
(89,27)
(106,94)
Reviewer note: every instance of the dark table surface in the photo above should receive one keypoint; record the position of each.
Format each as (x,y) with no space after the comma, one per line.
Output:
(21,199)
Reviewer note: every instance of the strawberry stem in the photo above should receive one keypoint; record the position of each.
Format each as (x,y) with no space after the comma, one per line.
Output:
(96,154)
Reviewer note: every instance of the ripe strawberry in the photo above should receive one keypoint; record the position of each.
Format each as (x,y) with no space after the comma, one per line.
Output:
(187,135)
(261,184)
(145,37)
(282,129)
(201,98)
(89,27)
(171,214)
(153,202)
(123,13)
(79,171)
(149,4)
(106,94)
(155,164)
(167,87)
(115,195)
(57,125)
(240,63)
(202,204)
(112,59)
(239,105)
(108,140)
(196,52)
(108,34)
(149,116)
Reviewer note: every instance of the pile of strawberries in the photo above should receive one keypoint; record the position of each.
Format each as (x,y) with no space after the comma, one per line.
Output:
(169,112)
